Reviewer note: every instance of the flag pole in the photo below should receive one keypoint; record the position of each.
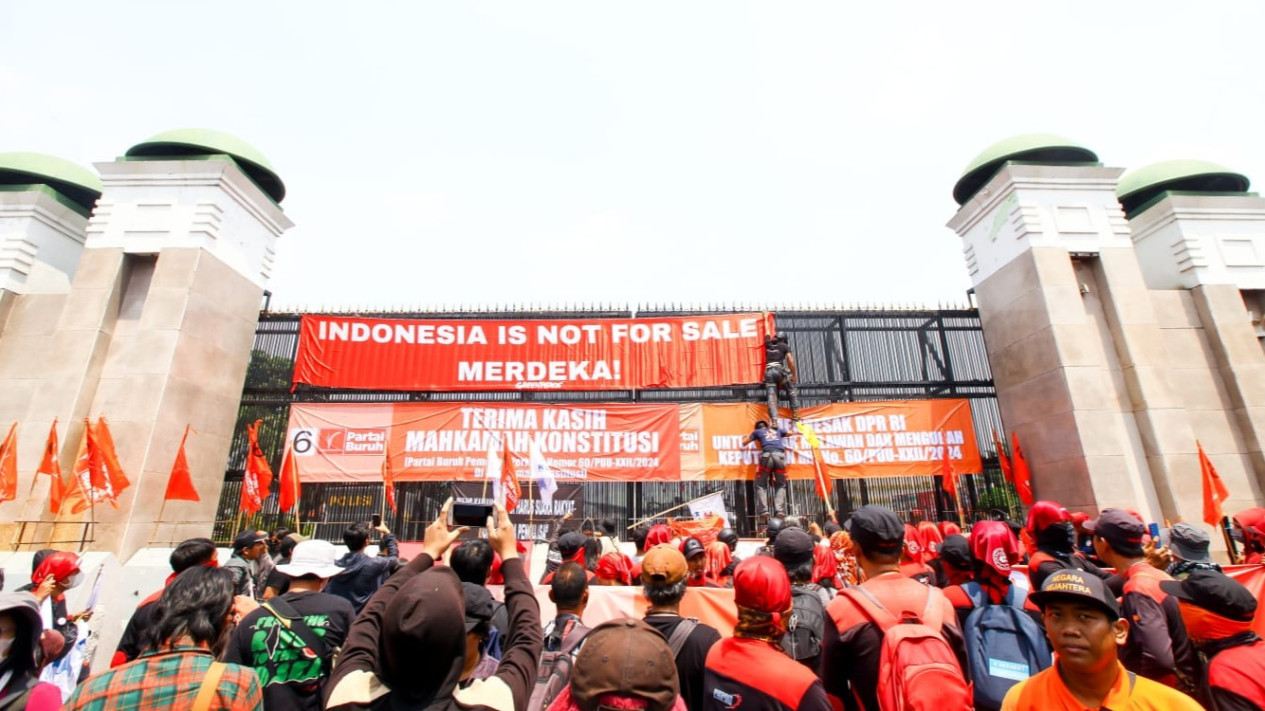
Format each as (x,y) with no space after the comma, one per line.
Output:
(1230,548)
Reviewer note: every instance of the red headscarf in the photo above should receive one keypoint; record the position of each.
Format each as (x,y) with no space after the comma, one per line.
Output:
(931,540)
(1252,521)
(615,566)
(913,544)
(718,558)
(949,528)
(825,567)
(658,534)
(61,565)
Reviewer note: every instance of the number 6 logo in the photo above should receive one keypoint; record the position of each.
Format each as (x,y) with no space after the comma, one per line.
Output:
(303,442)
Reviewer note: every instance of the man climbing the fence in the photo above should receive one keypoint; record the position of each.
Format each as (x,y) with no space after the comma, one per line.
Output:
(779,374)
(771,471)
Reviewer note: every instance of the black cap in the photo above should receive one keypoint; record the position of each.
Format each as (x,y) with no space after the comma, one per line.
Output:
(246,539)
(691,547)
(1215,592)
(773,527)
(956,551)
(1123,530)
(1076,584)
(876,529)
(728,536)
(793,547)
(478,604)
(570,543)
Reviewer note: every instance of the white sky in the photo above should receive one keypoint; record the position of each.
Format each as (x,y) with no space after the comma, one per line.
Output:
(639,153)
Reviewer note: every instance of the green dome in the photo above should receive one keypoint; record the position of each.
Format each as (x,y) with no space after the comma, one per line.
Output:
(79,185)
(1139,187)
(201,142)
(1030,148)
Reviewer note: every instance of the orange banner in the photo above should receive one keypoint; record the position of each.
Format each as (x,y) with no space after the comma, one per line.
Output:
(450,441)
(623,441)
(858,439)
(572,354)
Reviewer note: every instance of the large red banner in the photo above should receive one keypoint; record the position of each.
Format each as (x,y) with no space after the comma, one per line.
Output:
(624,441)
(578,354)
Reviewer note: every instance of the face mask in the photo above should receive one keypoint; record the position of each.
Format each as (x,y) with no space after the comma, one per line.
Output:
(73,580)
(5,645)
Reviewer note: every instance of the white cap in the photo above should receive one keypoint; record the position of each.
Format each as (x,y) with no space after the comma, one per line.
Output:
(312,558)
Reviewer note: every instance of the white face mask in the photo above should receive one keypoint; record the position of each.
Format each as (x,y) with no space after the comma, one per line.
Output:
(73,580)
(5,645)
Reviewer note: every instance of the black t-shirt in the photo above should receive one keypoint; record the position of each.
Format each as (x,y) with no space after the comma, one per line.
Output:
(290,676)
(693,657)
(278,581)
(131,644)
(775,352)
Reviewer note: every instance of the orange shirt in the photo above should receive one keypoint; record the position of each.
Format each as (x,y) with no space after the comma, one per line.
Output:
(1046,692)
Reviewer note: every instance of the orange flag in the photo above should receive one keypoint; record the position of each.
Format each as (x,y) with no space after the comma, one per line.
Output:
(509,478)
(949,477)
(288,497)
(388,480)
(180,483)
(1006,472)
(1023,477)
(257,480)
(51,465)
(9,465)
(97,476)
(1215,492)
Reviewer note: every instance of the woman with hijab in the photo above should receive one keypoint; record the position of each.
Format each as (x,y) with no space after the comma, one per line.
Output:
(21,657)
(1052,533)
(53,573)
(719,558)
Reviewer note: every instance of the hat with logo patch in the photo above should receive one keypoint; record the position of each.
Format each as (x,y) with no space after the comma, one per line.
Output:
(1123,530)
(663,565)
(624,660)
(1190,542)
(692,547)
(876,529)
(1073,584)
(994,545)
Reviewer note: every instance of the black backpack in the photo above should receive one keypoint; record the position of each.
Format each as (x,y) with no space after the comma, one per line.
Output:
(808,619)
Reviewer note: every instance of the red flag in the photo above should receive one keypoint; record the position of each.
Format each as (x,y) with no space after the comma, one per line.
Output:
(1022,476)
(180,483)
(949,477)
(1006,472)
(388,480)
(112,471)
(288,497)
(9,465)
(51,465)
(509,478)
(257,480)
(1215,492)
(97,475)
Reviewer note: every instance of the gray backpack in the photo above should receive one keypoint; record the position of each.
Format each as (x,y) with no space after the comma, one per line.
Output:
(554,672)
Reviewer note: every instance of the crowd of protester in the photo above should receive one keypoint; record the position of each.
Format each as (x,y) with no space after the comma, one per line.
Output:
(1062,611)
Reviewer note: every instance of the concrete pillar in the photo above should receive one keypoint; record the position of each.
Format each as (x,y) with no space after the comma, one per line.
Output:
(156,330)
(1072,335)
(1200,239)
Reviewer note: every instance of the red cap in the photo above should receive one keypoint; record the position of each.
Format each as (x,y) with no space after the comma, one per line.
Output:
(761,583)
(658,534)
(993,544)
(1045,514)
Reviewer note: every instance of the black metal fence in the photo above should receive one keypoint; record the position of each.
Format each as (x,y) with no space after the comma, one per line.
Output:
(842,355)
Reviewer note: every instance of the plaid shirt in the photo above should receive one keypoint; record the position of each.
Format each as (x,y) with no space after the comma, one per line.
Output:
(167,680)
